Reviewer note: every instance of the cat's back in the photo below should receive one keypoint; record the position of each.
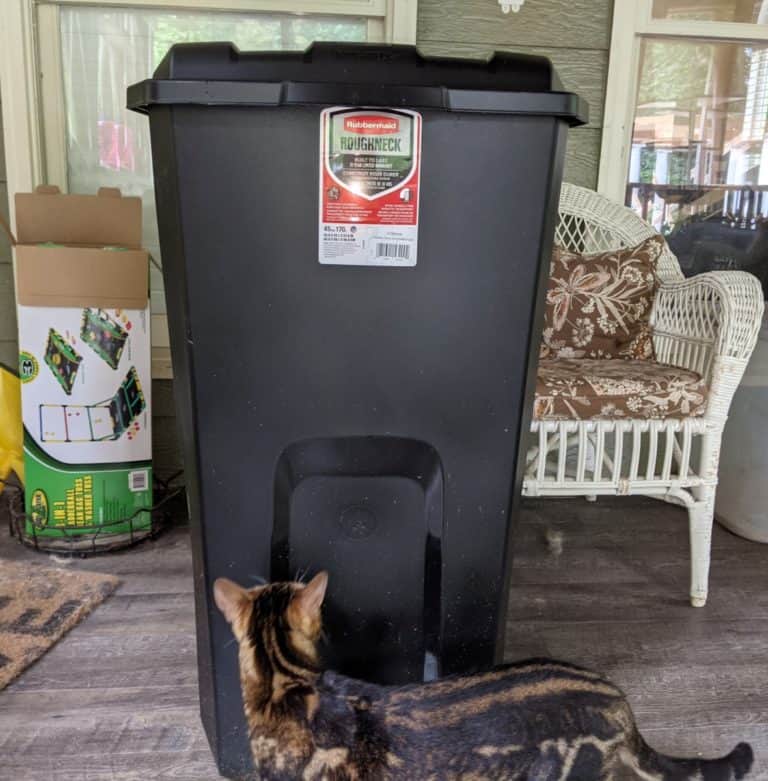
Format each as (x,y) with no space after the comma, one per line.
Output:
(514,714)
(518,683)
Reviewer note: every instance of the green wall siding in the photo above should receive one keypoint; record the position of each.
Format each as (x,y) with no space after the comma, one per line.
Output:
(574,34)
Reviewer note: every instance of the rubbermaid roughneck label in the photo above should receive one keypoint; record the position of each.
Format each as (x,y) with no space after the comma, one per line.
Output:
(369,186)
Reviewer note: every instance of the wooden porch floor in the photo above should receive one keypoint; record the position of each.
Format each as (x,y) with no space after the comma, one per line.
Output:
(116,700)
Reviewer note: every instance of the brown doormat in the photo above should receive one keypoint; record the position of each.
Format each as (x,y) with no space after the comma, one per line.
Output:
(38,605)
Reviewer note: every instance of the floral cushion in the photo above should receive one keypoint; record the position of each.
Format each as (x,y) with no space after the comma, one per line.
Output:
(598,306)
(587,388)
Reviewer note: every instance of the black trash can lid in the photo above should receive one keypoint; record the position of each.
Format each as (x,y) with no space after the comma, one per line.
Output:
(218,74)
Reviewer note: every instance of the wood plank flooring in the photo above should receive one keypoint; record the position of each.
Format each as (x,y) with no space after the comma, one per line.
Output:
(116,700)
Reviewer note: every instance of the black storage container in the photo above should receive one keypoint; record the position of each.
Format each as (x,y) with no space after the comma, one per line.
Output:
(355,246)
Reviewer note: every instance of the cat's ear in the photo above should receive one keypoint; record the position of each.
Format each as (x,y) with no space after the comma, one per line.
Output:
(309,600)
(230,598)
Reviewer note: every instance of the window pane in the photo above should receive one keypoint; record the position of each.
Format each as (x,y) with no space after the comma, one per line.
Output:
(699,161)
(712,10)
(104,50)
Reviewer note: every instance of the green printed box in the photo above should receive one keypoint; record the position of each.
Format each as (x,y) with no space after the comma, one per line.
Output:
(85,363)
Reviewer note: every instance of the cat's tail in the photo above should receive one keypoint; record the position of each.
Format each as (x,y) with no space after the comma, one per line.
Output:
(732,767)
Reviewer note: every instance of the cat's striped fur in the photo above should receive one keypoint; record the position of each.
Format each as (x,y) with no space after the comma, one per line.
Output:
(538,720)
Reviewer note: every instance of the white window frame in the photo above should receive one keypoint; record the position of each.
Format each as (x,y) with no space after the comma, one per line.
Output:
(633,20)
(32,86)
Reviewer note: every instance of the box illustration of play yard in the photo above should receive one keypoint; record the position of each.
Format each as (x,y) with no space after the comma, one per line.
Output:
(84,362)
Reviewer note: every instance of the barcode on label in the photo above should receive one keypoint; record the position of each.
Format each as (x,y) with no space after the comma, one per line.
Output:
(393,249)
(138,480)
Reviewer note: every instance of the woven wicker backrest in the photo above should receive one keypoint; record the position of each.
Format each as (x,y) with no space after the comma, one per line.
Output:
(589,222)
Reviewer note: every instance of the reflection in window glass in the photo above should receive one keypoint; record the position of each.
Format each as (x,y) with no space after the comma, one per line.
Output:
(699,161)
(712,10)
(104,50)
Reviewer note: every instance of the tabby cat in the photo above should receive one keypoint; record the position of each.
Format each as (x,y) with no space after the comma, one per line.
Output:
(537,720)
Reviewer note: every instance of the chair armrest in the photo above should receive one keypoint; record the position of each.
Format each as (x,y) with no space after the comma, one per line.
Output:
(719,312)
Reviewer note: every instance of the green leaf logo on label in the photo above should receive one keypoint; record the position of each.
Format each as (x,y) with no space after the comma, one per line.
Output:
(28,367)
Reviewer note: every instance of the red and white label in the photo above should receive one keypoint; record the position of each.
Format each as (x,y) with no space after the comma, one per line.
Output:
(369,186)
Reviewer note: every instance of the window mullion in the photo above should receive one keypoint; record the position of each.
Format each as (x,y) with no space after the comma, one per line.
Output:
(53,114)
(686,28)
(621,92)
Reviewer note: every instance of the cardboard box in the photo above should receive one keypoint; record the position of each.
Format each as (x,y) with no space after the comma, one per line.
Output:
(84,363)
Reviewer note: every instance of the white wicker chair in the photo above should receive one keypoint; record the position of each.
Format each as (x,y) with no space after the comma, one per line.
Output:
(708,324)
